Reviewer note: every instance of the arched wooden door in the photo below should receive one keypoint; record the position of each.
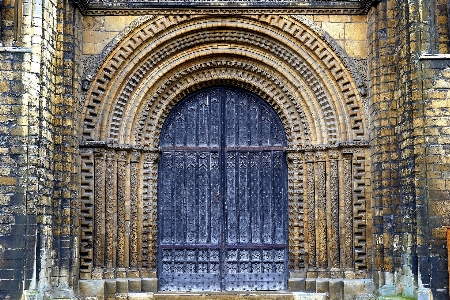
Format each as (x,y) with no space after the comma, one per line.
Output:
(222,211)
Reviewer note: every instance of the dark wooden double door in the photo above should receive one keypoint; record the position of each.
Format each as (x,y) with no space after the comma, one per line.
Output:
(222,203)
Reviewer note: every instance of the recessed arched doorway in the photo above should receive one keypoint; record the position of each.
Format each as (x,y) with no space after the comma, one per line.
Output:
(222,194)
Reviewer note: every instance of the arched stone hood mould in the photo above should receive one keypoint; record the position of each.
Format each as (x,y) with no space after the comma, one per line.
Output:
(287,60)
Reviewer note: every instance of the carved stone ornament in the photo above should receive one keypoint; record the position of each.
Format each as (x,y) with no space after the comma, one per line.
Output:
(295,158)
(285,89)
(333,154)
(96,7)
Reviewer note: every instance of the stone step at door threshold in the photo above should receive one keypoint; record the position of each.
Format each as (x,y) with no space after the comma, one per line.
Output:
(240,296)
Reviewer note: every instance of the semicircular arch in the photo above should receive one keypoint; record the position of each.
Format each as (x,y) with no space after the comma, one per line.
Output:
(304,79)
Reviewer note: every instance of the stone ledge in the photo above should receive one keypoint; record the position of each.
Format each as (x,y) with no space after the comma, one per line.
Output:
(310,296)
(15,49)
(335,288)
(353,7)
(110,287)
(224,295)
(434,56)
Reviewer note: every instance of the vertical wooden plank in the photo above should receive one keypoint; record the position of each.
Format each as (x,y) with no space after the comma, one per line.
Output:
(191,195)
(242,201)
(180,127)
(231,196)
(266,127)
(216,199)
(230,119)
(277,132)
(203,115)
(167,135)
(255,198)
(179,198)
(203,197)
(166,188)
(215,120)
(279,196)
(254,122)
(267,197)
(190,109)
(243,120)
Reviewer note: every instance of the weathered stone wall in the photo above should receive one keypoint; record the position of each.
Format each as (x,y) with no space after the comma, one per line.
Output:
(410,113)
(99,31)
(28,179)
(39,160)
(15,234)
(349,31)
(433,174)
(66,206)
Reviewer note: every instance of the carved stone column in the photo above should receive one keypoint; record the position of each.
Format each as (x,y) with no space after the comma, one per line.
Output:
(348,213)
(296,211)
(149,219)
(135,179)
(321,211)
(99,200)
(110,207)
(310,204)
(334,210)
(121,200)
(87,180)
(361,211)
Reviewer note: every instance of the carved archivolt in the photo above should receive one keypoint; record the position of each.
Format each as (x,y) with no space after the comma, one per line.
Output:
(287,61)
(277,57)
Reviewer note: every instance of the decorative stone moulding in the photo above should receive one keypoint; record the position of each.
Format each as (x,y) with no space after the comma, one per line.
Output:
(291,64)
(98,7)
(286,60)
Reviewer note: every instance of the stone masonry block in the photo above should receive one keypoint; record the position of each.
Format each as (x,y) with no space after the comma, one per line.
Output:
(296,284)
(322,286)
(310,296)
(310,285)
(134,285)
(92,288)
(149,285)
(122,285)
(336,289)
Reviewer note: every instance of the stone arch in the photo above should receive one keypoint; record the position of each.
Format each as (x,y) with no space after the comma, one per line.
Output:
(206,73)
(284,52)
(286,60)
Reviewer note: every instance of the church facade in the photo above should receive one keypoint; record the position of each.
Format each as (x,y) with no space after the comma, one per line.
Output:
(269,149)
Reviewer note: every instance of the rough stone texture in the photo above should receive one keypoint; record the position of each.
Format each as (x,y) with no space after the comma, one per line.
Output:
(364,100)
(409,160)
(39,160)
(14,232)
